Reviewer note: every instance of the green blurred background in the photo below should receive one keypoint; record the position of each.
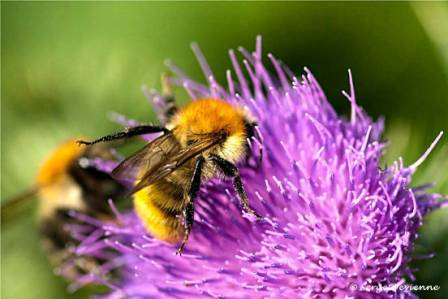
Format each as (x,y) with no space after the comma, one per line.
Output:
(66,65)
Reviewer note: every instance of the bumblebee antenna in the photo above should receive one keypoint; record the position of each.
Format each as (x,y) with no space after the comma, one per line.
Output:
(129,132)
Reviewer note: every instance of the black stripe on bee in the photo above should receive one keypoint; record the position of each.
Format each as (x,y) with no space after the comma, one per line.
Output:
(97,187)
(169,212)
(53,230)
(173,192)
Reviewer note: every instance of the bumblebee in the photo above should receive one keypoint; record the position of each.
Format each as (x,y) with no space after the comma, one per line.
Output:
(67,182)
(203,140)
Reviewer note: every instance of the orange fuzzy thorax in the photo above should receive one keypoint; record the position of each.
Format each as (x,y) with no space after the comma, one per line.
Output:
(208,116)
(58,162)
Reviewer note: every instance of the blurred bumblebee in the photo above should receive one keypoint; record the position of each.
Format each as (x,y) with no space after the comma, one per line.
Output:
(67,182)
(203,140)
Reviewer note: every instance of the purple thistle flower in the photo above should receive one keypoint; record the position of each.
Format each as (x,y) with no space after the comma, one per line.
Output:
(333,219)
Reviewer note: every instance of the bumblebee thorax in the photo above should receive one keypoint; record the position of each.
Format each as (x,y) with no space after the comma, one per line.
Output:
(208,116)
(58,163)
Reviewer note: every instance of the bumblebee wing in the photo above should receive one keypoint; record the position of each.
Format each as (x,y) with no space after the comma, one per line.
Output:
(147,159)
(10,206)
(176,159)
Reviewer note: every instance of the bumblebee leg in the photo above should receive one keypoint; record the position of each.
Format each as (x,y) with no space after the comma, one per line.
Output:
(230,170)
(189,209)
(189,217)
(129,132)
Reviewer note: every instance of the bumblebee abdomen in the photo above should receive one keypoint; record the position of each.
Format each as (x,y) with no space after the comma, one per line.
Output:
(158,206)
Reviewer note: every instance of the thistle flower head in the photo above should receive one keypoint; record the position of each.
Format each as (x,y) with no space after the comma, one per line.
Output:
(333,218)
